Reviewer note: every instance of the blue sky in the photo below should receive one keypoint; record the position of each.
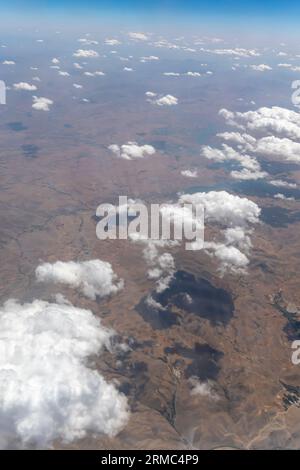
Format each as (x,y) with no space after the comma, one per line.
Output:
(266,8)
(268,17)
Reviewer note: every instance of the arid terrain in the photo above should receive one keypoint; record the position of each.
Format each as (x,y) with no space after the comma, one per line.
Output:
(211,372)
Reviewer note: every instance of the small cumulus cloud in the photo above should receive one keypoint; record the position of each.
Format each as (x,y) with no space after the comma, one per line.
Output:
(77,66)
(132,150)
(190,173)
(283,197)
(138,36)
(112,42)
(24,86)
(41,103)
(203,389)
(149,58)
(98,73)
(164,100)
(261,67)
(94,278)
(86,53)
(88,42)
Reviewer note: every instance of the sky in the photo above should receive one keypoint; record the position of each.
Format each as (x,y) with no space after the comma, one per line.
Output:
(239,17)
(216,8)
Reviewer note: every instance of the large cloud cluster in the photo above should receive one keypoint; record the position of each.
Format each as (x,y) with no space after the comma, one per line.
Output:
(272,132)
(234,216)
(95,278)
(275,131)
(47,390)
(251,169)
(266,120)
(230,216)
(132,150)
(225,208)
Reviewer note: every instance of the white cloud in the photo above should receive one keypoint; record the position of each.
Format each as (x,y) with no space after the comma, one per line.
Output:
(239,237)
(276,147)
(24,86)
(237,52)
(231,258)
(231,218)
(55,61)
(276,119)
(94,278)
(150,94)
(132,150)
(41,104)
(154,304)
(260,67)
(166,100)
(283,197)
(193,74)
(182,218)
(112,42)
(161,266)
(246,174)
(8,62)
(86,53)
(166,44)
(163,270)
(88,42)
(128,69)
(138,36)
(237,215)
(171,74)
(149,58)
(47,390)
(274,131)
(251,169)
(63,74)
(203,389)
(225,208)
(237,138)
(283,184)
(76,85)
(98,73)
(190,173)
